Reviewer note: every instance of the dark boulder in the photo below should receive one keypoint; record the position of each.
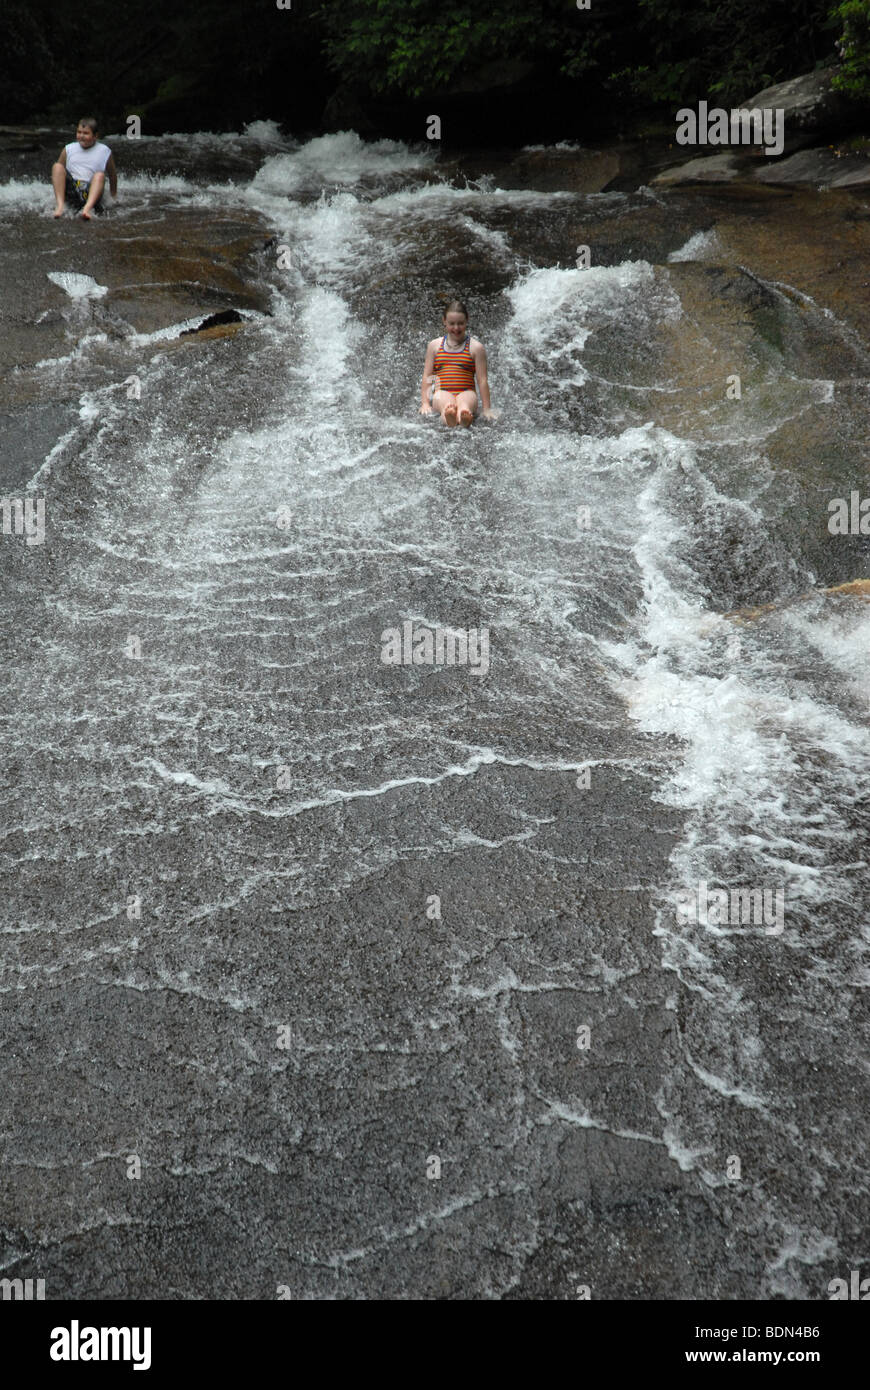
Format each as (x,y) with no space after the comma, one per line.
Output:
(811,105)
(345,111)
(214,321)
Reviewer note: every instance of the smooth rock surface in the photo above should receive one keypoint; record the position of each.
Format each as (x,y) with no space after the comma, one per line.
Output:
(221,855)
(712,168)
(825,168)
(811,105)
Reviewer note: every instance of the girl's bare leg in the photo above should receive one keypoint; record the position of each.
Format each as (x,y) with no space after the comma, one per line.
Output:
(467,403)
(445,401)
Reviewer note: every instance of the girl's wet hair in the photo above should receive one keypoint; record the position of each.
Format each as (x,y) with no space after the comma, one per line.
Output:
(90,122)
(456,306)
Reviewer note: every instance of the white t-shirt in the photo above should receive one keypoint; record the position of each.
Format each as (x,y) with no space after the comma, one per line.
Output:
(84,163)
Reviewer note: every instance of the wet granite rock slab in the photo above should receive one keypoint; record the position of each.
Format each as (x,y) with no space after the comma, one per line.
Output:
(304,1158)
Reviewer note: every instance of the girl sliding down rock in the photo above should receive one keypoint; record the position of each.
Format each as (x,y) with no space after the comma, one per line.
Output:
(452,364)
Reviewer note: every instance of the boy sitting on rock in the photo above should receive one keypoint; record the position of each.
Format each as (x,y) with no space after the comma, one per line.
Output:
(79,172)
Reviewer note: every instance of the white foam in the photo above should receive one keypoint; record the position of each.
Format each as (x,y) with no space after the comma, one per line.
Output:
(841,636)
(81,350)
(77,286)
(494,240)
(327,239)
(803,1248)
(337,159)
(433,198)
(26,195)
(748,737)
(164,184)
(555,310)
(331,336)
(263,133)
(698,248)
(563,145)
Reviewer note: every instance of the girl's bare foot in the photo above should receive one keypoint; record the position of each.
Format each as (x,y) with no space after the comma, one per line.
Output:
(465,416)
(58,212)
(85,214)
(450,414)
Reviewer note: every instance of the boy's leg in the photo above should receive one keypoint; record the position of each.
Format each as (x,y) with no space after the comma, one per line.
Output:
(58,183)
(95,192)
(467,403)
(445,402)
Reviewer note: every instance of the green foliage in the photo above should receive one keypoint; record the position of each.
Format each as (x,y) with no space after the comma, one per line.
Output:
(726,52)
(853,21)
(643,53)
(408,47)
(214,63)
(209,62)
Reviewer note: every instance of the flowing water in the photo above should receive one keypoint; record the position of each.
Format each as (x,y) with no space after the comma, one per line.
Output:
(313,935)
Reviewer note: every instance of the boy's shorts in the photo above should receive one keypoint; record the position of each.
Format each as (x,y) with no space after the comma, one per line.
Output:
(77,193)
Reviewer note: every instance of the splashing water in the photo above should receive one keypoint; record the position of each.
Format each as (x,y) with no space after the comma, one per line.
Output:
(208,723)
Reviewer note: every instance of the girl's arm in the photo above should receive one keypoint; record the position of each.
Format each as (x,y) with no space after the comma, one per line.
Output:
(479,354)
(428,368)
(112,174)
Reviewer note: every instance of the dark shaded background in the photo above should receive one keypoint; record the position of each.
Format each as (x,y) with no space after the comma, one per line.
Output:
(507,71)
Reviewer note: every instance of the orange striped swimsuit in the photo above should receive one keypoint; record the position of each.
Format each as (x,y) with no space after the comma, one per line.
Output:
(454,369)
